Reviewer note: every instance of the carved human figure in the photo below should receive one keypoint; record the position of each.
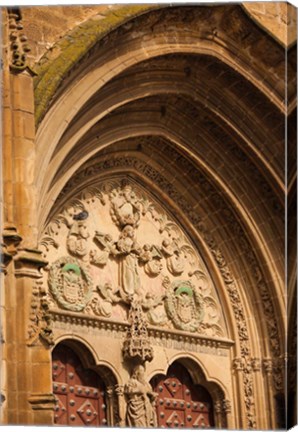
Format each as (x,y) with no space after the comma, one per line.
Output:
(129,250)
(174,257)
(140,411)
(77,239)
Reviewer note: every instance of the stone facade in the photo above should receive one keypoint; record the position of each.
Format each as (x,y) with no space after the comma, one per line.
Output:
(143,215)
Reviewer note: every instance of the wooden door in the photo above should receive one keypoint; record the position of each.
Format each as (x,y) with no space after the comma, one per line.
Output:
(180,403)
(80,393)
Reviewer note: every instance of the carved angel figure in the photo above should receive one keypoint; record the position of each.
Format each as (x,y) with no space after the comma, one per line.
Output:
(174,257)
(103,305)
(77,239)
(140,411)
(151,257)
(154,306)
(108,247)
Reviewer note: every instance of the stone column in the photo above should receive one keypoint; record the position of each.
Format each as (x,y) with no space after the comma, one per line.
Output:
(268,369)
(240,416)
(121,404)
(28,379)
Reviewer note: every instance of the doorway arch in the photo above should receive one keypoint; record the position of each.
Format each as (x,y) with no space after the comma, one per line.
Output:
(181,402)
(80,390)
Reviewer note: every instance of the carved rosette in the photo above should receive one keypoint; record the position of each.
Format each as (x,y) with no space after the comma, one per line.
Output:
(70,284)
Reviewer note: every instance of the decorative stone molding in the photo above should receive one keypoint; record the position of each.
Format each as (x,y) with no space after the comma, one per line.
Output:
(28,263)
(6,258)
(42,401)
(19,47)
(40,325)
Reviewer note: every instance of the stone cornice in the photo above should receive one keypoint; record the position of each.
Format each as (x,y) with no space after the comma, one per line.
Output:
(121,327)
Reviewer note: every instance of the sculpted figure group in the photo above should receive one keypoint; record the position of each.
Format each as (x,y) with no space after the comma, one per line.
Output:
(182,308)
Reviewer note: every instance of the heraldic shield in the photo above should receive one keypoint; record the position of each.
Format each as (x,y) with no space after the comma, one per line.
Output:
(184,305)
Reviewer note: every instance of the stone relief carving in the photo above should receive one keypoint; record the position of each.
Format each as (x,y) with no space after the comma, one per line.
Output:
(141,411)
(70,283)
(174,257)
(102,305)
(77,237)
(40,319)
(184,305)
(117,258)
(151,257)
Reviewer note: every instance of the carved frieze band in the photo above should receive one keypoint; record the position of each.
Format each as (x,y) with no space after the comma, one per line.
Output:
(158,337)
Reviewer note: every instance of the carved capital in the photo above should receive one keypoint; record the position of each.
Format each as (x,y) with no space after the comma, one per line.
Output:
(238,364)
(226,406)
(217,407)
(110,392)
(6,258)
(42,401)
(268,366)
(28,262)
(119,390)
(11,240)
(256,364)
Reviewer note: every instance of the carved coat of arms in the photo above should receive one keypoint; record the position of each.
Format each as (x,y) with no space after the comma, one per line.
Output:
(184,306)
(70,284)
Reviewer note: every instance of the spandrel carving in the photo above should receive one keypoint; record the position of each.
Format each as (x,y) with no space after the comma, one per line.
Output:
(119,237)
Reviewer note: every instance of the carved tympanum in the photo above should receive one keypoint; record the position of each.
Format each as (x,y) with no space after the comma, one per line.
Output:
(133,245)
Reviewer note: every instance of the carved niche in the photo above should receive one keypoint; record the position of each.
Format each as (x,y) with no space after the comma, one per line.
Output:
(112,246)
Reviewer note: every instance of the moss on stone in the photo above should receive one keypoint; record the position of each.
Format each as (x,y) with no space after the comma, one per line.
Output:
(58,61)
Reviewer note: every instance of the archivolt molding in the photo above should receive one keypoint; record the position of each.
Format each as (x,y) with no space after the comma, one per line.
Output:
(194,217)
(211,25)
(268,307)
(197,101)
